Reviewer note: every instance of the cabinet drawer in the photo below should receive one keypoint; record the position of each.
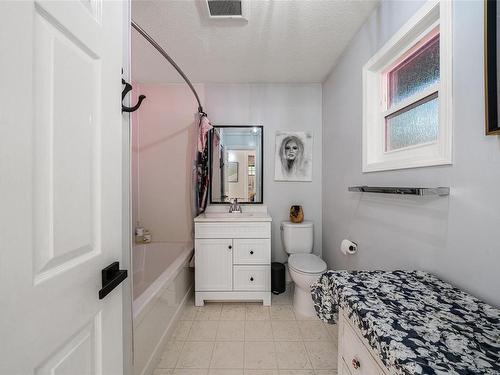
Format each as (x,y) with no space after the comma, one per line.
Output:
(252,278)
(354,350)
(252,251)
(242,229)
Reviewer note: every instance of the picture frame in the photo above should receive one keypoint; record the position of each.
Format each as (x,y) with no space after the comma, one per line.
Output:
(491,61)
(232,171)
(293,156)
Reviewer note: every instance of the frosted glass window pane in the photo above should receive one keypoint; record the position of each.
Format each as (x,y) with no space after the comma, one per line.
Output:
(419,71)
(413,125)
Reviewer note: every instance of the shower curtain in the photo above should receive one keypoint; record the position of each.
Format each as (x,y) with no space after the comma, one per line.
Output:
(202,168)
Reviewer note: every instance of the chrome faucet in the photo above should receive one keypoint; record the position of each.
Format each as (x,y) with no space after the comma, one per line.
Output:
(235,207)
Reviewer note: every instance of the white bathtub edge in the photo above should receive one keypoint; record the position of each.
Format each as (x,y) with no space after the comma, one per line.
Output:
(169,274)
(158,350)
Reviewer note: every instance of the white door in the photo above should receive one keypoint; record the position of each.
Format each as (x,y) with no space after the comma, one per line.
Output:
(60,186)
(213,265)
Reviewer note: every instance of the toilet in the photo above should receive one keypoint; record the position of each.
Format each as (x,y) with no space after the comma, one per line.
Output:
(305,268)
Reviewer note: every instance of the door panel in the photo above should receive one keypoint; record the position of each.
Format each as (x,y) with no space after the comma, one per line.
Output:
(67,75)
(78,353)
(61,168)
(213,265)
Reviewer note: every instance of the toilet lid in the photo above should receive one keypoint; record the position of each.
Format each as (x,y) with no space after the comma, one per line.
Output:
(309,263)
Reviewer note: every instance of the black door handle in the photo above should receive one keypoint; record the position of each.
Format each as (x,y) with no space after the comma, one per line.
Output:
(112,276)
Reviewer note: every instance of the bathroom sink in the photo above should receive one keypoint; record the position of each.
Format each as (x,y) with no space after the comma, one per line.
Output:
(237,216)
(232,214)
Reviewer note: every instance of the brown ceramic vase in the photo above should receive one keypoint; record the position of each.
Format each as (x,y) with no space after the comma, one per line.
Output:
(296,214)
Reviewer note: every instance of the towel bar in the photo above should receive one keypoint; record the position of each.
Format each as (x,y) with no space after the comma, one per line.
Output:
(441,191)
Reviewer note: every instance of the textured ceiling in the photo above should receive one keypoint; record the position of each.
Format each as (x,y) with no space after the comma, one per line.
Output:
(283,41)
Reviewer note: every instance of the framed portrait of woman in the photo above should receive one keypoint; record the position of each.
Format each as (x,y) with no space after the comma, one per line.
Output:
(293,156)
(492,60)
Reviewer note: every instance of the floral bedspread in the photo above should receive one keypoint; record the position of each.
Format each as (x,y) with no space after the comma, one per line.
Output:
(417,323)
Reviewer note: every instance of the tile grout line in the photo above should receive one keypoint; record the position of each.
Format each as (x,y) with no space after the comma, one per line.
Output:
(244,338)
(308,357)
(213,349)
(215,340)
(276,355)
(185,340)
(274,341)
(179,357)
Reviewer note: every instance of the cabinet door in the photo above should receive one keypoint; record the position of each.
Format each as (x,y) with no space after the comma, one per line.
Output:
(213,265)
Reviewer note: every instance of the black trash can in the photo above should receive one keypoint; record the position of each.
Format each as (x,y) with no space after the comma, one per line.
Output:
(278,283)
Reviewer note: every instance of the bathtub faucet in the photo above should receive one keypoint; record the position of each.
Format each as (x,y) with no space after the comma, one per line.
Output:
(235,206)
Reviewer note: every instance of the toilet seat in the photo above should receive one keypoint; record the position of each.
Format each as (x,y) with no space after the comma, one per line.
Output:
(306,263)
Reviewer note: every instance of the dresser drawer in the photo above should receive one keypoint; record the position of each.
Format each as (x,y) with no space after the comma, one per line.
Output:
(355,354)
(252,251)
(252,278)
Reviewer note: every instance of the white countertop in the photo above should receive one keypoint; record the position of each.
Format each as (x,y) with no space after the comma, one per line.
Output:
(235,216)
(220,213)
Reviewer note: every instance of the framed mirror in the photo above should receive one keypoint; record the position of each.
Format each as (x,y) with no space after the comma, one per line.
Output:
(492,63)
(236,164)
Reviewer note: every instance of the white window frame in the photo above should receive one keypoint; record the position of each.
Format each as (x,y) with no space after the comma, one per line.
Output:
(375,158)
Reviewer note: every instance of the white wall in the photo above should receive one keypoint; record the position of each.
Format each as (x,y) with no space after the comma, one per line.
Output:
(277,107)
(456,238)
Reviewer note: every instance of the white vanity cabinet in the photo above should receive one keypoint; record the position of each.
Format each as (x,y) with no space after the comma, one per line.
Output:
(233,257)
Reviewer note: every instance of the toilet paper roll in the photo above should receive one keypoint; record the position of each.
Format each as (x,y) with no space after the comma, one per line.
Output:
(348,247)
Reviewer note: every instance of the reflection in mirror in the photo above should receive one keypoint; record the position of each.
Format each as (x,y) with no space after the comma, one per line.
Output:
(236,164)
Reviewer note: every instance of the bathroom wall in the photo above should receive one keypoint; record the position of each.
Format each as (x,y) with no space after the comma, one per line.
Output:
(163,147)
(455,237)
(277,107)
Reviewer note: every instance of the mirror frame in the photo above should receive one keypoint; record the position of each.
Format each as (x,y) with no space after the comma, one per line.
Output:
(210,153)
(490,64)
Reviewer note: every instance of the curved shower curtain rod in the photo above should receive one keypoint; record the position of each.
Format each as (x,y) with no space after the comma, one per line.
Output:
(170,60)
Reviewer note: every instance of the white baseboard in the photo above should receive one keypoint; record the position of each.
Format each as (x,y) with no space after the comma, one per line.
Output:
(201,297)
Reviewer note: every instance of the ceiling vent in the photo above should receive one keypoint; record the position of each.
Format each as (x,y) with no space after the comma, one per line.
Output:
(227,9)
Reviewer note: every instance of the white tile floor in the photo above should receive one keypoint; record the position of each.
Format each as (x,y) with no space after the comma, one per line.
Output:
(249,339)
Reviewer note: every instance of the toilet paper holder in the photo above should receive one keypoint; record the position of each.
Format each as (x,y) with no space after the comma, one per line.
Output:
(348,247)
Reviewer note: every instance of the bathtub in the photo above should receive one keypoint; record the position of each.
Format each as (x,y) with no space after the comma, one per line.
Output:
(162,280)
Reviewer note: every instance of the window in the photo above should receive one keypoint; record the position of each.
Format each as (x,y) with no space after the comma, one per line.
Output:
(407,95)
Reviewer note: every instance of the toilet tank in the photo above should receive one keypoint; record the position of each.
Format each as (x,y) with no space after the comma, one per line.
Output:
(297,237)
